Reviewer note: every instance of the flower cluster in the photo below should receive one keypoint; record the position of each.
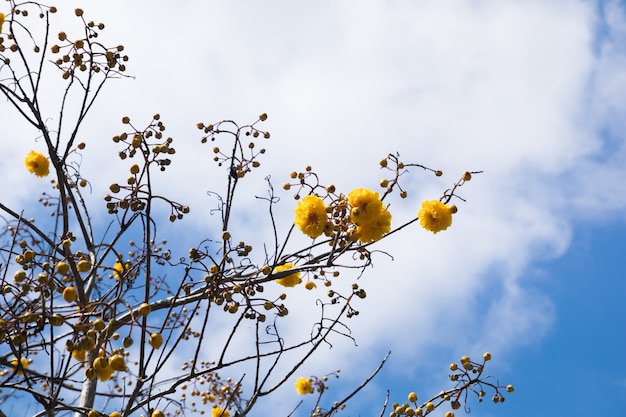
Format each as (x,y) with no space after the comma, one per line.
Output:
(362,212)
(37,164)
(367,212)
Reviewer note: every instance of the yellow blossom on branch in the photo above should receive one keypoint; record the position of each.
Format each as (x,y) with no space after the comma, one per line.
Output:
(365,205)
(118,270)
(375,230)
(37,164)
(2,17)
(219,412)
(303,386)
(23,364)
(311,216)
(435,216)
(290,280)
(79,355)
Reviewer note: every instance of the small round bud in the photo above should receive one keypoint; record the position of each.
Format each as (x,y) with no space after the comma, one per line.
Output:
(486,356)
(117,362)
(62,268)
(126,120)
(144,309)
(467,176)
(83,265)
(136,142)
(383,162)
(156,340)
(19,276)
(412,395)
(510,388)
(99,324)
(225,235)
(453,208)
(438,173)
(263,117)
(70,294)
(78,12)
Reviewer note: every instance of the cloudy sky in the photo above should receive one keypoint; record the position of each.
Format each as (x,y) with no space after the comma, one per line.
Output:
(531,92)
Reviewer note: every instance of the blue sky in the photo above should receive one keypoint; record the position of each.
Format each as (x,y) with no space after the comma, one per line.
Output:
(531,92)
(580,354)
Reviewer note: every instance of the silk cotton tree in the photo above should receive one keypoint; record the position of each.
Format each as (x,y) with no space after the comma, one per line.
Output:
(89,324)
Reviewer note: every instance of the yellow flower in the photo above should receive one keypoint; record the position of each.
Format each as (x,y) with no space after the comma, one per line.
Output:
(23,364)
(435,216)
(218,412)
(290,280)
(2,16)
(303,386)
(79,355)
(375,230)
(118,270)
(365,205)
(310,285)
(37,164)
(311,216)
